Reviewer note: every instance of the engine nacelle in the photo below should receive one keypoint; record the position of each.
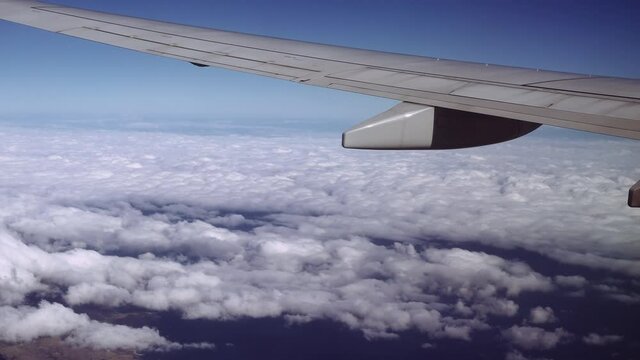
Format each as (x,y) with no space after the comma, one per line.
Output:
(415,126)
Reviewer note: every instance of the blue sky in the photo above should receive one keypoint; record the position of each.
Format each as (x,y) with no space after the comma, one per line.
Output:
(46,74)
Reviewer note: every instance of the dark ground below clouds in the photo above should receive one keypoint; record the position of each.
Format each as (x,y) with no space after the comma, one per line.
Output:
(56,349)
(273,338)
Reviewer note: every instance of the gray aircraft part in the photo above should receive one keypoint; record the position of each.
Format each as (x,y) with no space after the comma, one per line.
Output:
(405,126)
(634,195)
(409,126)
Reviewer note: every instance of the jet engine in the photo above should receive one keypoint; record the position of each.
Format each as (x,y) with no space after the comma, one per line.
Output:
(416,126)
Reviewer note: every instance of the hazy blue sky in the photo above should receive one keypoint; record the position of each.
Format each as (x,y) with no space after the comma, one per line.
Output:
(48,74)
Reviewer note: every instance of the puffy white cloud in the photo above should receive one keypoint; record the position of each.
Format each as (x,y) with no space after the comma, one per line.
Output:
(542,315)
(477,272)
(359,286)
(601,340)
(458,332)
(97,293)
(108,336)
(220,228)
(535,338)
(25,323)
(15,282)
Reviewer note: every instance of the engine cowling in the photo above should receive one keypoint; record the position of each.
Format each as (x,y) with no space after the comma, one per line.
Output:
(409,126)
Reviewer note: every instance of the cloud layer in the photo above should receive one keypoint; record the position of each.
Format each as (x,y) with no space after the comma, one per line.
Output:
(24,323)
(225,227)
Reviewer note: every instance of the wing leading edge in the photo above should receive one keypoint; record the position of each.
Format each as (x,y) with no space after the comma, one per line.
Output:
(446,93)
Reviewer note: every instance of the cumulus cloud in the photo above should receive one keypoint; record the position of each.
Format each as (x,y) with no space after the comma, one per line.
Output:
(25,323)
(352,281)
(356,285)
(542,315)
(535,338)
(221,228)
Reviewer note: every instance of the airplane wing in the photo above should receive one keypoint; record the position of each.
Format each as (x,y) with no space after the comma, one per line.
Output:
(598,104)
(444,103)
